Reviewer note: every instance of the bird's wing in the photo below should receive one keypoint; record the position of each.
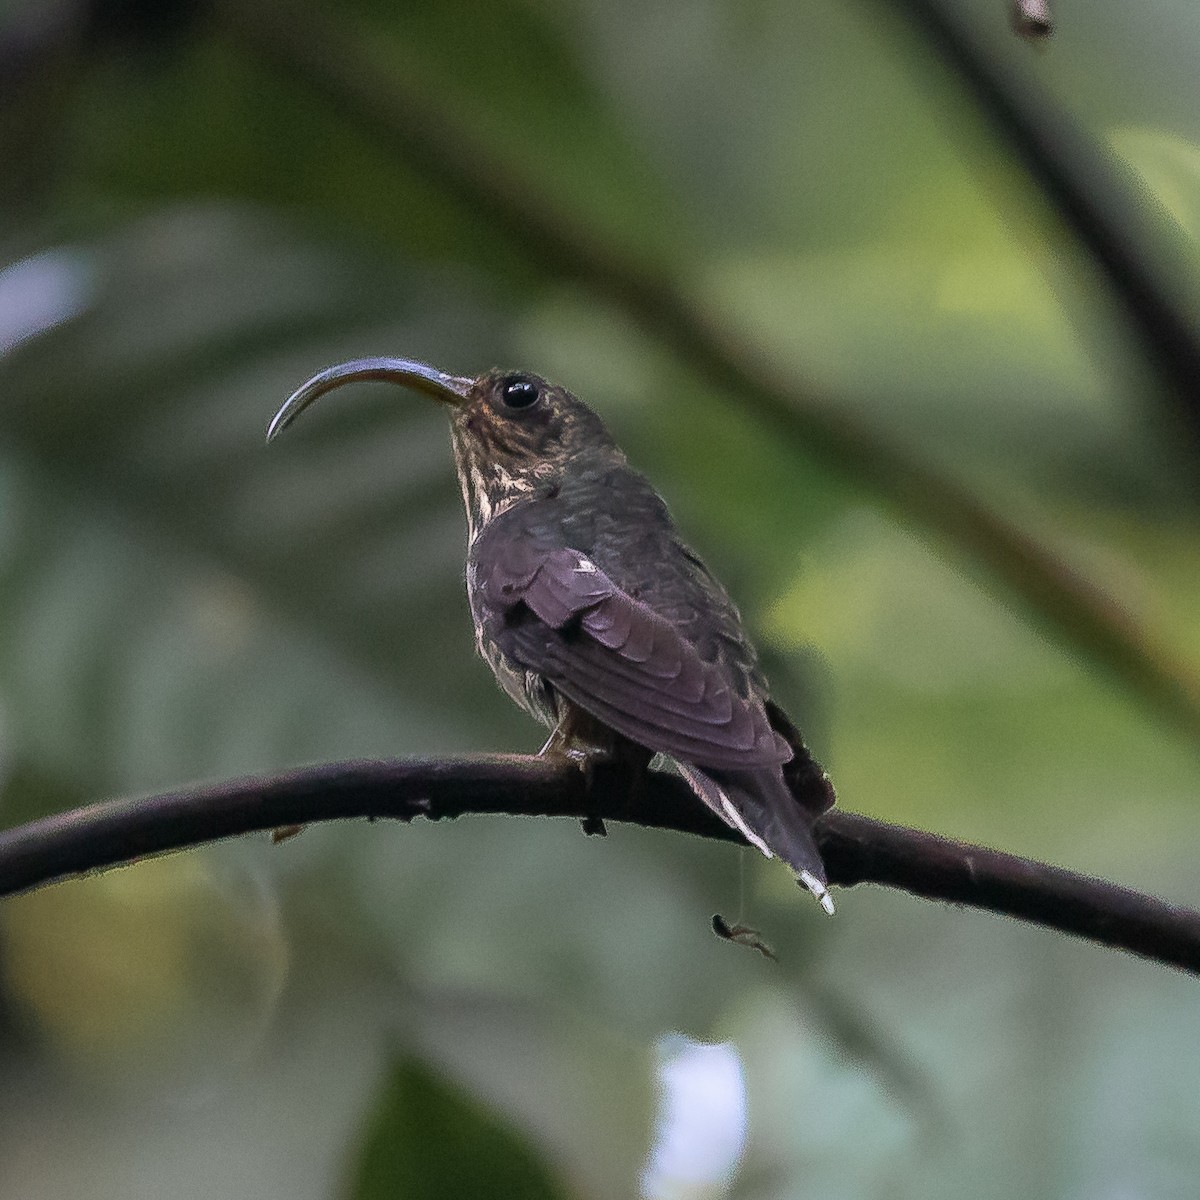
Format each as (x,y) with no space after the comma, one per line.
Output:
(564,618)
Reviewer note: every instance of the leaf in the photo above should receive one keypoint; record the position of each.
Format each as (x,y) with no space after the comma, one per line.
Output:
(177,601)
(164,975)
(426,1138)
(156,549)
(583,1091)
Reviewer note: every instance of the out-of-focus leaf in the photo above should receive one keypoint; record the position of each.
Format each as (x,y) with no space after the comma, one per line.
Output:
(583,1093)
(36,61)
(425,1138)
(803,1101)
(177,601)
(1022,730)
(165,974)
(224,120)
(276,1126)
(192,541)
(1170,165)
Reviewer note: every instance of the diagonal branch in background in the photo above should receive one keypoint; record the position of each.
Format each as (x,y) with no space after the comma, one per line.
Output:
(318,52)
(856,849)
(1095,198)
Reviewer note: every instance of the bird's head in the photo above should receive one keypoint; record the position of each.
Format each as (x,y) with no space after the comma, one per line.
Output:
(513,432)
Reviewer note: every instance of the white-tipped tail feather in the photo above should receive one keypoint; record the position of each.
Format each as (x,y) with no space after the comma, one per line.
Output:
(762,809)
(734,818)
(818,889)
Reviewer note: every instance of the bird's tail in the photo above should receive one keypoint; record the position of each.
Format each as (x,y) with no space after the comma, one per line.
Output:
(761,806)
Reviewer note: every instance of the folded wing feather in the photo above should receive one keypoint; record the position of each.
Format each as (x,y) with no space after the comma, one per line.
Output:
(620,660)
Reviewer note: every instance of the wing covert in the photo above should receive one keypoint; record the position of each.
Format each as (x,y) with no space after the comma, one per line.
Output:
(618,659)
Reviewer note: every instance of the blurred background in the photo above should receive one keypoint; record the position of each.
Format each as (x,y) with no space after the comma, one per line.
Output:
(201,204)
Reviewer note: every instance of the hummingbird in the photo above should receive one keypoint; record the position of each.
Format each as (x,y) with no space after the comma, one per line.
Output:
(593,613)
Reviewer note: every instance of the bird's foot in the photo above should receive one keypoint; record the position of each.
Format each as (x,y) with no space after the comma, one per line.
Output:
(586,759)
(611,766)
(593,824)
(566,742)
(580,756)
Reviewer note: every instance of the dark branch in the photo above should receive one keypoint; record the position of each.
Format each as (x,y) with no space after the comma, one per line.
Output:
(857,849)
(1095,198)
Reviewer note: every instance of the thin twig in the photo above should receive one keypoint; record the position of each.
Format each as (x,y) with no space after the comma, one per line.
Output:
(320,54)
(856,849)
(1093,195)
(1031,19)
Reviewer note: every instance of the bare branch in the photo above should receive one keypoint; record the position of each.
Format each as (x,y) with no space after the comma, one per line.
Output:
(1095,197)
(857,849)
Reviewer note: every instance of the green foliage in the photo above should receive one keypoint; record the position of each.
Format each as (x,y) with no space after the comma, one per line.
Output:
(178,601)
(427,1139)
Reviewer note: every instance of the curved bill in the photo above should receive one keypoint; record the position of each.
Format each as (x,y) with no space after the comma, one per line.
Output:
(450,389)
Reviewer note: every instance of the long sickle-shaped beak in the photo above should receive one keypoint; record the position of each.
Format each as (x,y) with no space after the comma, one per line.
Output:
(450,389)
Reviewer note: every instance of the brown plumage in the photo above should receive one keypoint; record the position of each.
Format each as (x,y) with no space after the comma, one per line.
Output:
(596,617)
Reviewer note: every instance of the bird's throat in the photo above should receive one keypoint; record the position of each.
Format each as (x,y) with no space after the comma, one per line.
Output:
(490,487)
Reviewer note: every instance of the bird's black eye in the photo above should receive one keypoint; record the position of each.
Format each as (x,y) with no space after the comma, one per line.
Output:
(520,393)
